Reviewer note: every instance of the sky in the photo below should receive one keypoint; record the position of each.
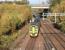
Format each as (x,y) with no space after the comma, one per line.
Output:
(37,1)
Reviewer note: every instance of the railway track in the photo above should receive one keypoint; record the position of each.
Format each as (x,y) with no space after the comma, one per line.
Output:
(39,44)
(30,44)
(58,36)
(20,39)
(48,39)
(59,43)
(48,43)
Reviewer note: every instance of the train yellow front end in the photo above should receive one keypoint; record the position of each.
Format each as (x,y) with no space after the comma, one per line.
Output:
(33,30)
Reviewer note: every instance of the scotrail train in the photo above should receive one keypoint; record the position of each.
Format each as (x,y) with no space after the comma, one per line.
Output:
(34,26)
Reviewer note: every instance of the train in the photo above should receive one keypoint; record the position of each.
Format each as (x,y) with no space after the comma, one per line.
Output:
(34,28)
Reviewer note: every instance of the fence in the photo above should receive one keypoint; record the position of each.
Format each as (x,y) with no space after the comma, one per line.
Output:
(53,14)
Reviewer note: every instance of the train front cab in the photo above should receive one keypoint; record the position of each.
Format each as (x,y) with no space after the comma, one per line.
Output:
(33,30)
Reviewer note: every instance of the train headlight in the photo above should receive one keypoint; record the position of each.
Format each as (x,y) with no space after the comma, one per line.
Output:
(35,34)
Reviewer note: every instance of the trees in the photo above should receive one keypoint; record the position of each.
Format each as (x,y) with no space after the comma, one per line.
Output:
(22,1)
(57,6)
(16,1)
(54,2)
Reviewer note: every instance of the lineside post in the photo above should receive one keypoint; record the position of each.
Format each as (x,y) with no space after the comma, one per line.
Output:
(43,16)
(55,18)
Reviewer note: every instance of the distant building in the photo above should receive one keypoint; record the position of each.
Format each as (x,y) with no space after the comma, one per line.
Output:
(39,8)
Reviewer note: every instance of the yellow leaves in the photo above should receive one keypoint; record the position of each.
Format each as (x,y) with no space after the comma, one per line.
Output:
(59,8)
(9,6)
(63,6)
(56,9)
(12,15)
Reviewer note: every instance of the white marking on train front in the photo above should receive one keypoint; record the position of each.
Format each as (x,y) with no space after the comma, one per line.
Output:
(53,48)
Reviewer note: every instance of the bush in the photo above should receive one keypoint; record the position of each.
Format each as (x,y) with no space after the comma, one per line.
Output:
(11,17)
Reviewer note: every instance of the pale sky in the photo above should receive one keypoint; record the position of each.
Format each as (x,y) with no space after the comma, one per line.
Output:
(37,1)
